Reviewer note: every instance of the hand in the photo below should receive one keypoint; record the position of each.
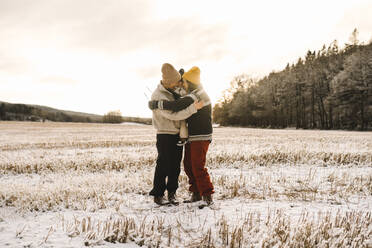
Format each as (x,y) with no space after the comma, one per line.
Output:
(153,104)
(199,104)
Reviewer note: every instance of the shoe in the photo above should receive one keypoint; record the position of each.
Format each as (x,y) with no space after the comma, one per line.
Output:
(195,197)
(172,198)
(208,199)
(159,200)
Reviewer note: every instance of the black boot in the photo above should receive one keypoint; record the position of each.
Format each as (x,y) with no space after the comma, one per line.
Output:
(172,198)
(194,197)
(159,200)
(208,199)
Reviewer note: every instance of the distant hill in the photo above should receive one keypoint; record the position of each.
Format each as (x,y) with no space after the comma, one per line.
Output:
(31,112)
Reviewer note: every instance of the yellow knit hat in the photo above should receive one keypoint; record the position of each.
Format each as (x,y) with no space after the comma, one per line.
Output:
(193,75)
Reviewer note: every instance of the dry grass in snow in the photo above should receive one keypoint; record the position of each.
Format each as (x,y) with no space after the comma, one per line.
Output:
(69,185)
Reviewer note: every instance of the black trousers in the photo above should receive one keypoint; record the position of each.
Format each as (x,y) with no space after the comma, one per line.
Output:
(168,164)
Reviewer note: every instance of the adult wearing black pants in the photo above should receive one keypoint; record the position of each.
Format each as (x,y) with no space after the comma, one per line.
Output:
(167,125)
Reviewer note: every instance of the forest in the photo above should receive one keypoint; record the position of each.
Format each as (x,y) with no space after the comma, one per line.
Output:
(26,112)
(37,113)
(327,89)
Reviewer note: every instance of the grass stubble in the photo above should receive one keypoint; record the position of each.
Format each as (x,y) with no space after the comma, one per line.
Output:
(80,167)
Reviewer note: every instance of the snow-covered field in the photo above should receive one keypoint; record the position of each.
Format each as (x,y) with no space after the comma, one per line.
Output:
(74,185)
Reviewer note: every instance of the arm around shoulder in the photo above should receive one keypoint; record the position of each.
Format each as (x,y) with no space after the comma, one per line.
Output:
(181,115)
(178,104)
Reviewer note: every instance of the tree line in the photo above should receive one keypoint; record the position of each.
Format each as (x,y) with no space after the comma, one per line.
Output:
(116,117)
(327,89)
(24,112)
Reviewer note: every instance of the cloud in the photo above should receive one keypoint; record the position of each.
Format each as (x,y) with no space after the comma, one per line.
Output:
(116,34)
(58,80)
(107,25)
(14,65)
(148,71)
(109,28)
(182,43)
(190,40)
(358,17)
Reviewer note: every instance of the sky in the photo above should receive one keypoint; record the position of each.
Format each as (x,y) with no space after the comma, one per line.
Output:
(98,56)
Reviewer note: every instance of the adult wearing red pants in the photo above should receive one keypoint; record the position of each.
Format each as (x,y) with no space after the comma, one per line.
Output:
(200,135)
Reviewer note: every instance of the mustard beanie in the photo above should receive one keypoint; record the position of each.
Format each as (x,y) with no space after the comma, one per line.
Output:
(170,75)
(193,75)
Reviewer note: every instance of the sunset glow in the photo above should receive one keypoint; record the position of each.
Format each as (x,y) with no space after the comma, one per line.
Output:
(95,56)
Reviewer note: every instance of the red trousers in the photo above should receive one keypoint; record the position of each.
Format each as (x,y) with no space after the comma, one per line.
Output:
(194,165)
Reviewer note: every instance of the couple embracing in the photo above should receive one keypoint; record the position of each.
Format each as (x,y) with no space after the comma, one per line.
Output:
(181,109)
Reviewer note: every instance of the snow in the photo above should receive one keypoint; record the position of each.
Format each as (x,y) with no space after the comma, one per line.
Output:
(75,185)
(36,226)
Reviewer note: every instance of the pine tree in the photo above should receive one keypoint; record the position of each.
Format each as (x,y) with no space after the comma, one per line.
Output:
(2,111)
(353,87)
(328,89)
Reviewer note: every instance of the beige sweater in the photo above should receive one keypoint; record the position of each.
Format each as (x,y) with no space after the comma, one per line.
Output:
(165,121)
